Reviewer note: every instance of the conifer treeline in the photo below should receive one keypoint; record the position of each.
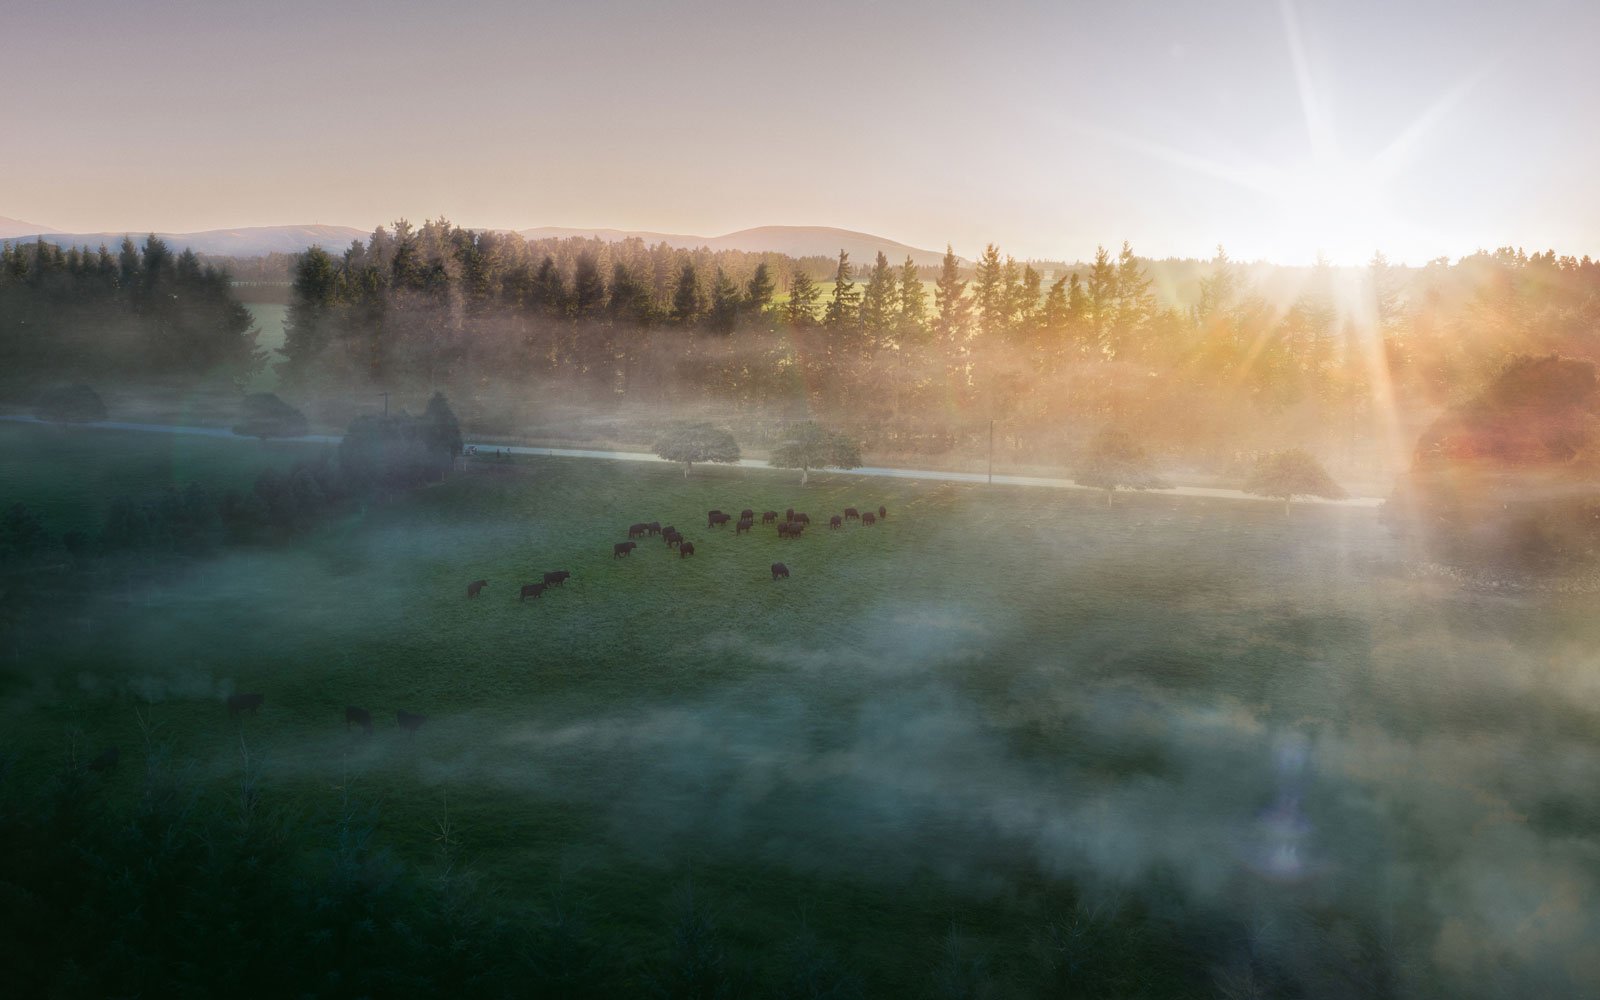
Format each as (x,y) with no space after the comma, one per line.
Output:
(140,311)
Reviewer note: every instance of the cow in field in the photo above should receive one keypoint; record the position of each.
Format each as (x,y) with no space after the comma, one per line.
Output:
(851,514)
(780,571)
(672,536)
(836,521)
(409,721)
(476,587)
(685,550)
(717,520)
(803,518)
(788,515)
(106,760)
(248,702)
(713,513)
(768,517)
(533,590)
(790,529)
(744,525)
(638,530)
(869,518)
(622,548)
(883,513)
(747,514)
(556,578)
(354,716)
(654,527)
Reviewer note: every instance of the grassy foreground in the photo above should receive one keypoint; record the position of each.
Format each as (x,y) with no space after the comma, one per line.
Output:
(1249,746)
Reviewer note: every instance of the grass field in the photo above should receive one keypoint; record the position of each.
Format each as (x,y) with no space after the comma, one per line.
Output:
(976,716)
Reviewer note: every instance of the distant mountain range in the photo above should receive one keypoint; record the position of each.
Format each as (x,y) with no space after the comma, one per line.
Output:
(257,241)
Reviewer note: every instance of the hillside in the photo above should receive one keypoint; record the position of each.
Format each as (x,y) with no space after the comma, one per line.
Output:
(796,241)
(249,241)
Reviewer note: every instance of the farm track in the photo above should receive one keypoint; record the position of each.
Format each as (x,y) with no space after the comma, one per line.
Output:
(748,463)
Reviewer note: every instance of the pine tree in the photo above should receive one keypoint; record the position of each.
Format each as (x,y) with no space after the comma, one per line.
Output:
(549,288)
(913,314)
(949,297)
(725,302)
(688,302)
(758,293)
(588,288)
(801,309)
(1136,306)
(878,301)
(988,292)
(844,307)
(1101,299)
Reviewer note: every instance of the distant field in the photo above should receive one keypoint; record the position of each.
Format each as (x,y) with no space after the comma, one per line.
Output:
(949,720)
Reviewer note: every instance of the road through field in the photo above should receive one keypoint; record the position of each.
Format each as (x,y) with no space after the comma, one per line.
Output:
(748,463)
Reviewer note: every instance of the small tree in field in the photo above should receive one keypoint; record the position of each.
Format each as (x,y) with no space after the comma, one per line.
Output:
(263,415)
(1285,475)
(693,443)
(810,446)
(1116,461)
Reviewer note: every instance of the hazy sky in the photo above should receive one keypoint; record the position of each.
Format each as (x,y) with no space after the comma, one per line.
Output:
(1275,128)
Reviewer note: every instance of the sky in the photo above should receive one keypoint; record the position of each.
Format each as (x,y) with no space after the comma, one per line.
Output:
(1276,128)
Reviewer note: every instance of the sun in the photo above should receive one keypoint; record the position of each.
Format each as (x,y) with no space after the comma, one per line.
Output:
(1332,208)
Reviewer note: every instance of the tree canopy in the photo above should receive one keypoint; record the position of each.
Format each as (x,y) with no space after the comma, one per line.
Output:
(809,445)
(1115,461)
(263,415)
(1284,475)
(691,443)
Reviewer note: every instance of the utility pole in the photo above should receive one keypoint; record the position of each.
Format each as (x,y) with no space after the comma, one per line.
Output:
(991,452)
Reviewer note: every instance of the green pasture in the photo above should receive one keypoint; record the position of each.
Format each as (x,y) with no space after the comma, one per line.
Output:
(972,717)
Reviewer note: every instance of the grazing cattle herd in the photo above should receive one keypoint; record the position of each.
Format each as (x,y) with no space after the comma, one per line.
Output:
(791,525)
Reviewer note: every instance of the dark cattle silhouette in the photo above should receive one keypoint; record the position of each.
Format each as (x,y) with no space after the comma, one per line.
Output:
(654,527)
(409,721)
(717,520)
(803,518)
(883,512)
(106,760)
(556,578)
(623,548)
(672,536)
(354,716)
(638,530)
(836,521)
(685,550)
(788,515)
(769,516)
(533,590)
(747,515)
(744,525)
(475,586)
(851,514)
(780,571)
(869,518)
(713,513)
(790,529)
(245,703)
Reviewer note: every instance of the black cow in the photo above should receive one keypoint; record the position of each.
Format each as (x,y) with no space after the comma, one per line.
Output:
(533,590)
(836,521)
(106,760)
(788,515)
(744,525)
(883,512)
(713,513)
(851,514)
(803,518)
(869,518)
(638,530)
(673,536)
(747,515)
(556,578)
(654,527)
(622,548)
(409,721)
(354,716)
(717,520)
(685,550)
(245,703)
(475,587)
(769,516)
(780,571)
(790,529)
